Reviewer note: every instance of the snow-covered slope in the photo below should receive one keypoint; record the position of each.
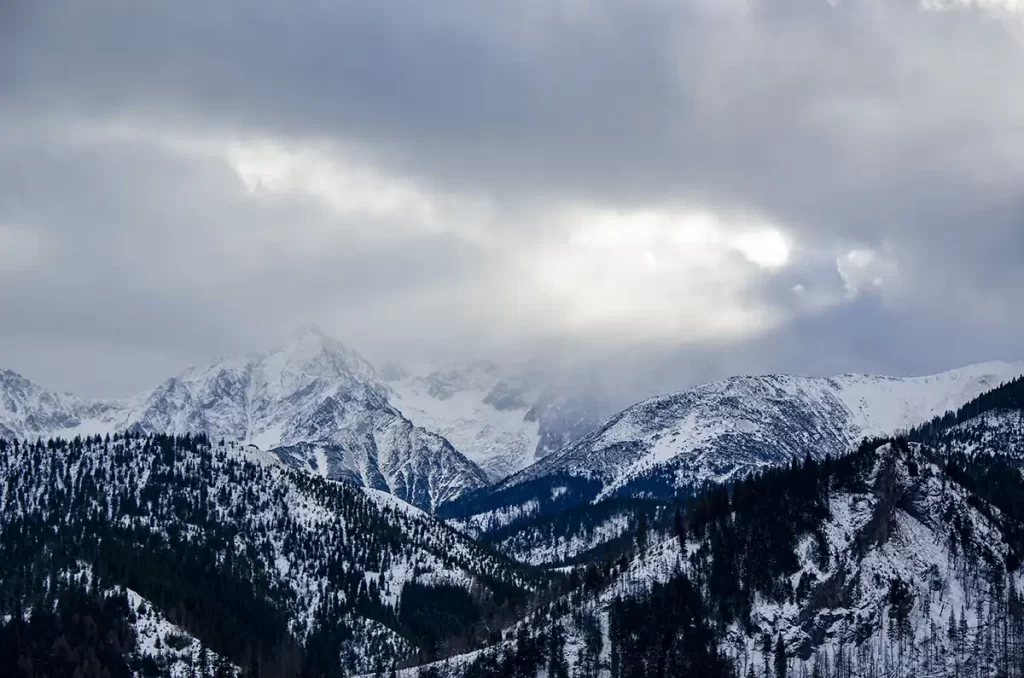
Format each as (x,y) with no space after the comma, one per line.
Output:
(315,402)
(996,432)
(150,643)
(716,432)
(503,418)
(477,410)
(883,405)
(545,546)
(165,646)
(27,410)
(909,524)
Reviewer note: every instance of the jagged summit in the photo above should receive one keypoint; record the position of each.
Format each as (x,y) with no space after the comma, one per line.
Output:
(309,341)
(29,410)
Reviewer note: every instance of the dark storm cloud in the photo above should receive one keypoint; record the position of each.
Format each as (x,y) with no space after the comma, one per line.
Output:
(869,127)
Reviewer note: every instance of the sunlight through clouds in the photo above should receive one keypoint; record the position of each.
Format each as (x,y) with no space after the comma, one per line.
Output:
(767,247)
(865,269)
(687,273)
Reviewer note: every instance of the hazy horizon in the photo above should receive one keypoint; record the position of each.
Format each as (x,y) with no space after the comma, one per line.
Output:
(638,379)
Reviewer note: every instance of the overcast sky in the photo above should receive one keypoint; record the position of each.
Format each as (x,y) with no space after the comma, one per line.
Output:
(705,186)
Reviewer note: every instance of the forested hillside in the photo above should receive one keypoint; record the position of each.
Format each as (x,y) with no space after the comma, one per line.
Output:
(892,561)
(281,572)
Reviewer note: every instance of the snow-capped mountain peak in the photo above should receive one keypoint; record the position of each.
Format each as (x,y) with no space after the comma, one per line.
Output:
(253,398)
(885,405)
(311,353)
(715,431)
(29,410)
(311,400)
(722,431)
(432,436)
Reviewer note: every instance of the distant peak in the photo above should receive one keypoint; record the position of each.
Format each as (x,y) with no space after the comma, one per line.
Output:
(309,339)
(308,343)
(12,377)
(309,330)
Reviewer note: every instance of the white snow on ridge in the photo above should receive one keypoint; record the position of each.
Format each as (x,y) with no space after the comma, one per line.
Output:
(716,431)
(545,552)
(455,403)
(489,521)
(885,405)
(387,500)
(320,404)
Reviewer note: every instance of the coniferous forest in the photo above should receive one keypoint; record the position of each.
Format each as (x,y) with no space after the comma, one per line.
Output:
(267,566)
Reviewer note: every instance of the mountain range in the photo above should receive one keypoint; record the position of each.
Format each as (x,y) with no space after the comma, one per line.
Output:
(258,517)
(317,404)
(717,432)
(446,434)
(673,445)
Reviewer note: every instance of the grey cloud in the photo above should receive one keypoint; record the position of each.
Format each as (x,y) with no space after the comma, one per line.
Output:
(134,234)
(867,124)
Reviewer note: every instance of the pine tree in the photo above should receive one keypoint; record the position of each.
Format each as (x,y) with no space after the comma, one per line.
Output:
(963,631)
(951,634)
(680,529)
(204,662)
(780,658)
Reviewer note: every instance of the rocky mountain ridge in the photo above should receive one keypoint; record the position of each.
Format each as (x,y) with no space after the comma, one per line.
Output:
(318,403)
